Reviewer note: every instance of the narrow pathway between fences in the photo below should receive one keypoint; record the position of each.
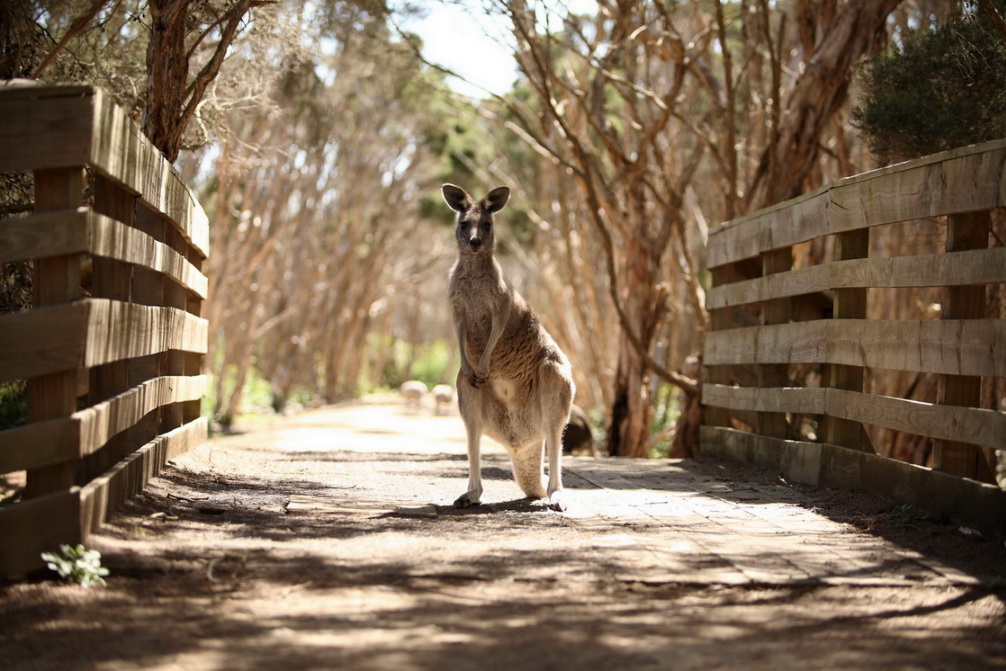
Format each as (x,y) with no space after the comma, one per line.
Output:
(327,541)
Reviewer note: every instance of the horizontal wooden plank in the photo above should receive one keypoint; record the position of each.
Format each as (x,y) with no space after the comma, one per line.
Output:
(43,340)
(99,423)
(797,460)
(120,151)
(85,231)
(38,525)
(967,179)
(968,502)
(62,127)
(85,431)
(186,437)
(43,235)
(103,495)
(961,180)
(118,330)
(974,426)
(797,220)
(92,332)
(45,127)
(952,347)
(981,266)
(805,400)
(39,444)
(778,285)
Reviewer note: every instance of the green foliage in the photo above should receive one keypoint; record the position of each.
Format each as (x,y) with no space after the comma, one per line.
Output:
(428,362)
(77,565)
(667,409)
(907,515)
(941,88)
(13,404)
(257,398)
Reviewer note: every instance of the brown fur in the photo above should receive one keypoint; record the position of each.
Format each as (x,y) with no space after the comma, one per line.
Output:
(515,384)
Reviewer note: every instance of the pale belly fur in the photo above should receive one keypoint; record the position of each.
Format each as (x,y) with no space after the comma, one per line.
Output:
(513,424)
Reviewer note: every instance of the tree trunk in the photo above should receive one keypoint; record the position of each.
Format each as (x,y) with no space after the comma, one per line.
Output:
(632,412)
(686,434)
(168,73)
(818,94)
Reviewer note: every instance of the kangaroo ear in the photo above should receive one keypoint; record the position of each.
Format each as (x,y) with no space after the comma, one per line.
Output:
(496,199)
(457,198)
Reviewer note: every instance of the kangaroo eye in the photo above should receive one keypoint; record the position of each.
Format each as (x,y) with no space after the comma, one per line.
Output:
(486,225)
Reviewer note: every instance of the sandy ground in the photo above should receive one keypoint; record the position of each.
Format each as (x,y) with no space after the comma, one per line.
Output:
(327,541)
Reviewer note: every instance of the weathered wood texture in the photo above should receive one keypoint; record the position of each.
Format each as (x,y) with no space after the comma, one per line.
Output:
(73,126)
(977,504)
(114,345)
(955,189)
(969,179)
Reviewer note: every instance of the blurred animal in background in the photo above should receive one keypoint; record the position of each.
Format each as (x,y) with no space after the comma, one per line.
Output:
(412,393)
(443,394)
(578,437)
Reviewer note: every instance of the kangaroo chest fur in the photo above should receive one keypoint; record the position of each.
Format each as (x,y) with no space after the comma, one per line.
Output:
(475,298)
(523,345)
(508,412)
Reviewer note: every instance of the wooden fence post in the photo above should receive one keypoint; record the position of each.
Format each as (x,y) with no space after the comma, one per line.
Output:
(147,290)
(775,311)
(719,320)
(193,362)
(723,319)
(113,280)
(848,304)
(56,279)
(964,232)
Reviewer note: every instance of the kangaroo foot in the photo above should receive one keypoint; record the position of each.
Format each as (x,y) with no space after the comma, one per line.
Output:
(466,500)
(557,501)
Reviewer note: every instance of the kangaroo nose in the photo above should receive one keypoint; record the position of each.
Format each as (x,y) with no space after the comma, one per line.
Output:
(475,243)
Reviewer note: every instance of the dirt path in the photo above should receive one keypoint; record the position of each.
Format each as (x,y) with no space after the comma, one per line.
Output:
(326,541)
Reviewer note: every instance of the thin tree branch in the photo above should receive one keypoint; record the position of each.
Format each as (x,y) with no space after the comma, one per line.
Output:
(75,29)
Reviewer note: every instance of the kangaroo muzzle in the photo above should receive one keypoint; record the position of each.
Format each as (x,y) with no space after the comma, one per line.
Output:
(475,242)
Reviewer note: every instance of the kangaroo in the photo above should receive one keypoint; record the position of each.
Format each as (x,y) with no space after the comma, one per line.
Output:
(515,384)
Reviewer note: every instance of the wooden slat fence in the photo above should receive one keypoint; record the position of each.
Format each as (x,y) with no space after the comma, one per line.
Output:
(113,346)
(753,404)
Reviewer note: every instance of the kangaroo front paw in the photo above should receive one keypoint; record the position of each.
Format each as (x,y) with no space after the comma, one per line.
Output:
(557,501)
(466,500)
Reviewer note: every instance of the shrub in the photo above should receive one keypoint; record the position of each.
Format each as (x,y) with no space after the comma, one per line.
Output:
(936,89)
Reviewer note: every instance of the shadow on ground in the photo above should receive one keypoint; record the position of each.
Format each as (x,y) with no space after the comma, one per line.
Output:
(212,568)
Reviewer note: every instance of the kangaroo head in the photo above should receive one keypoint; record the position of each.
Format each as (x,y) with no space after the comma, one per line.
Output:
(475,219)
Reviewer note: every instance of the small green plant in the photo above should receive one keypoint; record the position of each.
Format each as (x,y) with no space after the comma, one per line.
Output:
(76,564)
(907,515)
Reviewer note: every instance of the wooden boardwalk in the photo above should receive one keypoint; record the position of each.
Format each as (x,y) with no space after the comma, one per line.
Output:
(653,521)
(328,540)
(676,523)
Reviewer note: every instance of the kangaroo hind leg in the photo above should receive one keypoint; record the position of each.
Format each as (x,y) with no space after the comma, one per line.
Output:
(553,445)
(472,416)
(527,469)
